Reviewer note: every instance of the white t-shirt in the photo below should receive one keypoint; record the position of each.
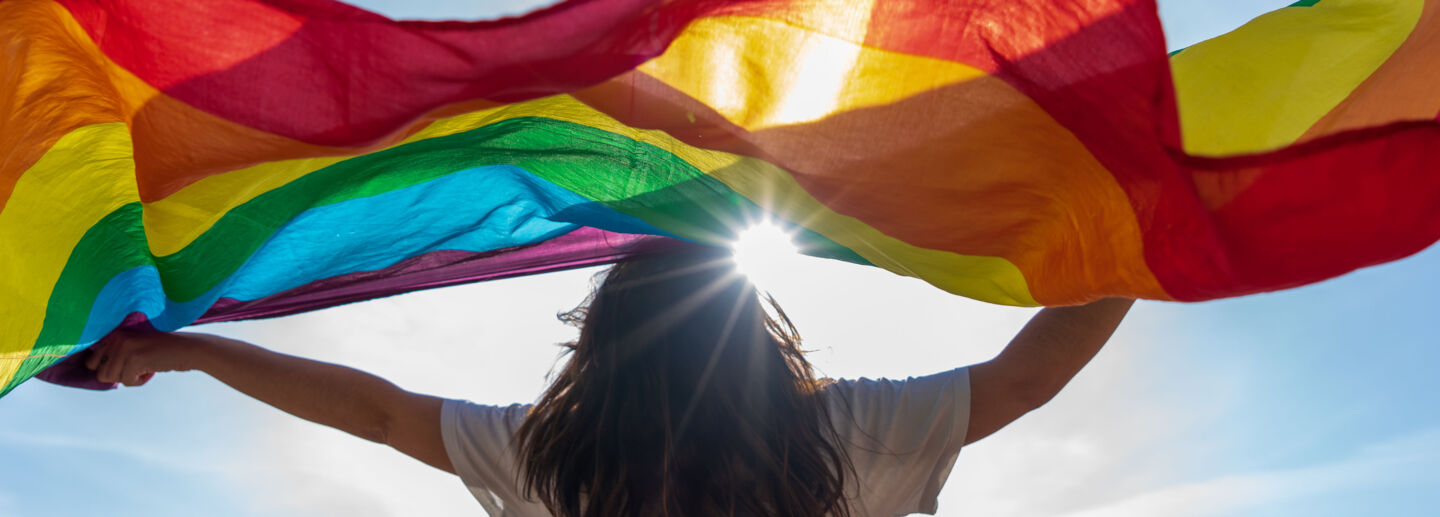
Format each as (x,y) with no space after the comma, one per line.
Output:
(902,436)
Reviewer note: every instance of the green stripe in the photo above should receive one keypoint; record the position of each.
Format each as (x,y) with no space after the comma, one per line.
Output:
(113,245)
(637,179)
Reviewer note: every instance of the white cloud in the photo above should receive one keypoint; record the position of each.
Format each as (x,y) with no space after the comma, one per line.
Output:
(1124,425)
(1407,458)
(1136,434)
(306,470)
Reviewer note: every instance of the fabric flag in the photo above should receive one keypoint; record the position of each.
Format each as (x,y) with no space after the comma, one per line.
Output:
(170,162)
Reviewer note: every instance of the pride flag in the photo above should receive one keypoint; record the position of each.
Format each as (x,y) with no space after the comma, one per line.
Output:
(178,161)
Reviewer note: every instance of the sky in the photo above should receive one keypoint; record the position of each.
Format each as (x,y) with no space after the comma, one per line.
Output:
(1318,401)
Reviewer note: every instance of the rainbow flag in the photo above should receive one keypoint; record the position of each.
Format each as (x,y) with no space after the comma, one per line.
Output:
(176,161)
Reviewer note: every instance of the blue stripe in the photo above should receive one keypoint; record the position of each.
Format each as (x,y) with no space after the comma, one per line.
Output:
(479,209)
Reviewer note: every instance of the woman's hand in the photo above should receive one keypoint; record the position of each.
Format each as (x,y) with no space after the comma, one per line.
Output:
(133,358)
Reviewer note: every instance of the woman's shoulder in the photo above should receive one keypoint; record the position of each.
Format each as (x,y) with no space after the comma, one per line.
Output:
(938,383)
(879,405)
(470,418)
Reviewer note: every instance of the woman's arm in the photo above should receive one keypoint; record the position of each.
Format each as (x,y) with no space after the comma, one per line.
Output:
(344,398)
(1042,358)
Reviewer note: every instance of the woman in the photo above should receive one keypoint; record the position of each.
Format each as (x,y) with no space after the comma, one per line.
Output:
(683,396)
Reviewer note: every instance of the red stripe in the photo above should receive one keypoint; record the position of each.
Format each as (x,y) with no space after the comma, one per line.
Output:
(1110,84)
(327,73)
(1322,210)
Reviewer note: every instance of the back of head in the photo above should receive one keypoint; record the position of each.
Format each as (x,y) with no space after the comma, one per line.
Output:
(682,396)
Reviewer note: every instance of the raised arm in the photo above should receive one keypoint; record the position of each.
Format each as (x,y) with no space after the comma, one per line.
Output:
(344,398)
(1042,358)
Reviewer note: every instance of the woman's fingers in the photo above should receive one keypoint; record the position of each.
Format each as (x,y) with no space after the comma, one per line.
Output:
(99,353)
(96,358)
(112,366)
(135,375)
(117,361)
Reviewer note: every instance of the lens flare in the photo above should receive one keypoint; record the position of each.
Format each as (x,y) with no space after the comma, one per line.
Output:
(762,250)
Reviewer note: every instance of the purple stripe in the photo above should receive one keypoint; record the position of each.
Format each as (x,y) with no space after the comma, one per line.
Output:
(580,248)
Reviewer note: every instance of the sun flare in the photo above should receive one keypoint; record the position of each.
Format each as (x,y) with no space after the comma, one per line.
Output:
(762,250)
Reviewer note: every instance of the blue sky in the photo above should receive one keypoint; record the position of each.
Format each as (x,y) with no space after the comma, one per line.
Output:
(1319,401)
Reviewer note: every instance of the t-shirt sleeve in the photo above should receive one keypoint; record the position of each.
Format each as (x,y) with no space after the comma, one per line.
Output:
(903,437)
(479,440)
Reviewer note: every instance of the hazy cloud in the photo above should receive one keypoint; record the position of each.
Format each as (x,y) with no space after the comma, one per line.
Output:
(1403,459)
(166,459)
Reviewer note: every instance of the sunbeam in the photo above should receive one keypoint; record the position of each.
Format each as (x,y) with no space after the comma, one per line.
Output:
(762,250)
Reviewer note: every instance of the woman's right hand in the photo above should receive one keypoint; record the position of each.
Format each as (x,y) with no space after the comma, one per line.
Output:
(133,358)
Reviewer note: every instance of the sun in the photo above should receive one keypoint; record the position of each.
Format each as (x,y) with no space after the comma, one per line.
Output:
(762,251)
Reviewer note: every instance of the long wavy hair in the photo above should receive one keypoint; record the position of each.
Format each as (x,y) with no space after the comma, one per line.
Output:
(683,396)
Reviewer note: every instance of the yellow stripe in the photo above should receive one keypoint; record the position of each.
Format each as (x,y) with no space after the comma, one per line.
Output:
(778,74)
(87,174)
(1263,85)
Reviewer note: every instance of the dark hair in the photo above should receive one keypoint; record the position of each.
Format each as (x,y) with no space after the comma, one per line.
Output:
(682,396)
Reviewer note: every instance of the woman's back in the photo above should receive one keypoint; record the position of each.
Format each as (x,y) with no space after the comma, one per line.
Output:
(902,436)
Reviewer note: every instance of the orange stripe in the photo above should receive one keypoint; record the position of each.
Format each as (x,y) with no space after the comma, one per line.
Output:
(999,177)
(994,175)
(1403,89)
(50,87)
(65,82)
